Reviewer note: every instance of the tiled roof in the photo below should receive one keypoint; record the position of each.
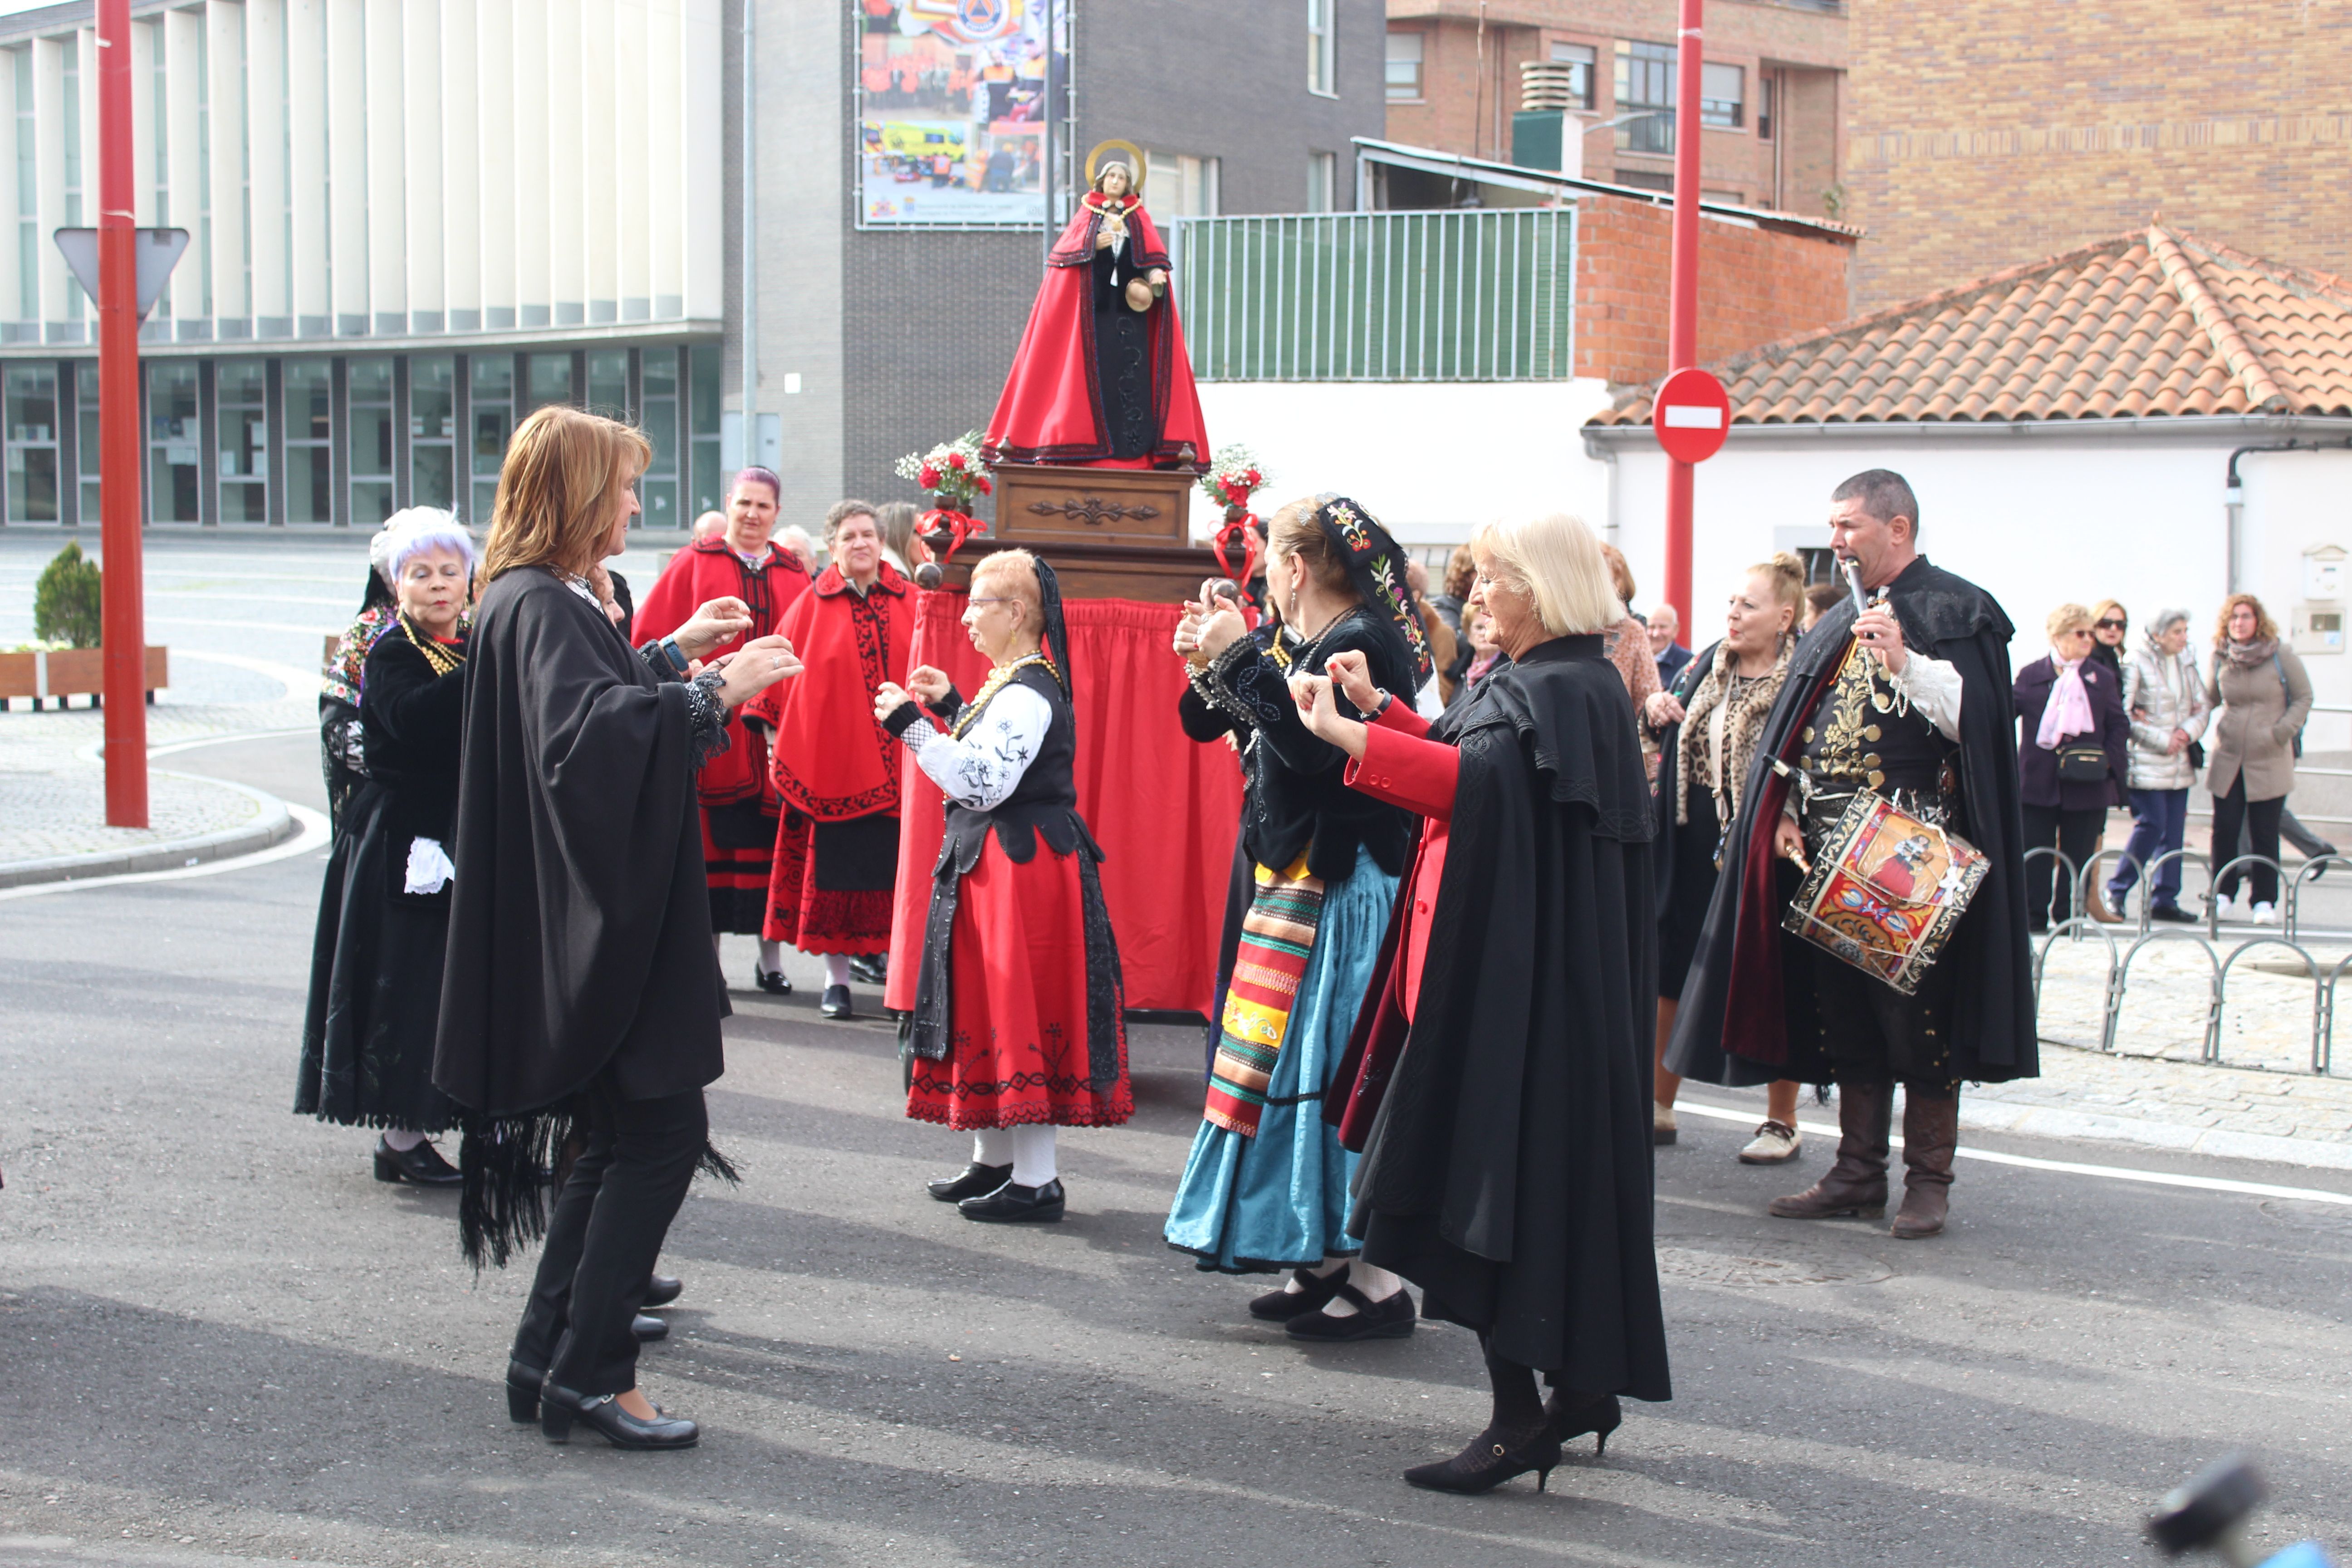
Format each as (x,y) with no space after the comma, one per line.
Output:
(2144,324)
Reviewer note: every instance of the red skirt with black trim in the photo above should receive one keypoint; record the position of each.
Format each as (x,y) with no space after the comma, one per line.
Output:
(1017,1031)
(851,919)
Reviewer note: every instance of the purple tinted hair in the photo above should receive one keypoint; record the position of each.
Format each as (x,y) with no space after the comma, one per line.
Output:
(757,476)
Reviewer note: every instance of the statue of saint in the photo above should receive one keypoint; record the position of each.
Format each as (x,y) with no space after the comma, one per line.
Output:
(1102,377)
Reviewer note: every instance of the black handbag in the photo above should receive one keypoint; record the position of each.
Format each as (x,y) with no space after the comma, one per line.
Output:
(2082,761)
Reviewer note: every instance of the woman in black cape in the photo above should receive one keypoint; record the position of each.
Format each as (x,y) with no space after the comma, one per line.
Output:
(383,909)
(582,1000)
(1501,1063)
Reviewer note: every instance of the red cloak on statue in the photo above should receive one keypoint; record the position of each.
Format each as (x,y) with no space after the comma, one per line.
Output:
(836,848)
(739,804)
(1094,382)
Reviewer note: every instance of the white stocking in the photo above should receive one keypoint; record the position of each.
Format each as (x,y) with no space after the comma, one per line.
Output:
(993,1146)
(837,968)
(1032,1156)
(771,956)
(1377,1283)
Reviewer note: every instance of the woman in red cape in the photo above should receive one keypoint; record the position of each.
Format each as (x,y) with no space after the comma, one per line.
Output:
(837,848)
(1102,375)
(739,805)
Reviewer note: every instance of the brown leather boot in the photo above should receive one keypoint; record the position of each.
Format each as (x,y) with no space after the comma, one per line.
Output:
(1856,1182)
(1930,1129)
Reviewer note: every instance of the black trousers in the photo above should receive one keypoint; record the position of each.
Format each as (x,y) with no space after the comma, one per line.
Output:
(604,1234)
(2260,819)
(2075,835)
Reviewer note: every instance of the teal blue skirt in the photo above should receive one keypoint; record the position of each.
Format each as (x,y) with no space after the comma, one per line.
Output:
(1256,1206)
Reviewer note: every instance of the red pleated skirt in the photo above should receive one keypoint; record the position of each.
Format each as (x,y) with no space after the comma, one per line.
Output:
(819,920)
(1017,1039)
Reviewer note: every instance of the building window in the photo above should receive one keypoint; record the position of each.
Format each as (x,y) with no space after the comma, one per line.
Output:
(1645,179)
(551,379)
(1322,176)
(86,446)
(1722,93)
(1580,59)
(1322,47)
(173,474)
(1645,93)
(608,383)
(1181,184)
(702,420)
(490,380)
(1404,66)
(371,440)
(657,417)
(28,212)
(240,413)
(31,394)
(309,482)
(433,431)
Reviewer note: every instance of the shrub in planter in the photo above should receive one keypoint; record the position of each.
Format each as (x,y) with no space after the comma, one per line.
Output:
(66,601)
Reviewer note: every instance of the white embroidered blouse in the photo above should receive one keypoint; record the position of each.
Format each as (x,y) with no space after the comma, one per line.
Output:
(982,768)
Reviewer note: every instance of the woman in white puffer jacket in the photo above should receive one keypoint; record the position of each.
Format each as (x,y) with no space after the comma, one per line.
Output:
(2165,697)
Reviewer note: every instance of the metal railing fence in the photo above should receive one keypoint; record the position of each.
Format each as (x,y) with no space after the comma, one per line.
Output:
(1379,296)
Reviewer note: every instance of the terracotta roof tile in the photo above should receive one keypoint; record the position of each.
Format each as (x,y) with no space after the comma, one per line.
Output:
(2154,322)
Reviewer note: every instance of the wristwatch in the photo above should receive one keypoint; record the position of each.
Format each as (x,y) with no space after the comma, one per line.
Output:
(674,654)
(1386,697)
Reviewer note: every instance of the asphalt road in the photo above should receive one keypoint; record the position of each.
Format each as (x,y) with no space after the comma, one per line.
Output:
(221,1340)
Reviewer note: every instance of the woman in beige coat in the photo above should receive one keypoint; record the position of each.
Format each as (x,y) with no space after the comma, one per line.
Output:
(2263,696)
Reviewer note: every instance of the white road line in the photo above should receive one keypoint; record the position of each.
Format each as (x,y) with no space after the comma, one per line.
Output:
(313,837)
(2066,1167)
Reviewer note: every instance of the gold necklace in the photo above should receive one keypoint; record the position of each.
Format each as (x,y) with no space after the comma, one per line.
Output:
(440,659)
(995,683)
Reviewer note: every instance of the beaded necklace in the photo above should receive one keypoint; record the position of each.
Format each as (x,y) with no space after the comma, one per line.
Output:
(995,683)
(441,660)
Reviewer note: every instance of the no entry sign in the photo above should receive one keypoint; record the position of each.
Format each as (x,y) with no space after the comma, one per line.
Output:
(1692,415)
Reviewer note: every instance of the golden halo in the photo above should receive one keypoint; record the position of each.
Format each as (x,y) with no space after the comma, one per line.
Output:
(1134,163)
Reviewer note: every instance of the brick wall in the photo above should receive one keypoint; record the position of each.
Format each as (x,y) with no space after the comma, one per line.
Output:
(1457,114)
(1985,134)
(1755,286)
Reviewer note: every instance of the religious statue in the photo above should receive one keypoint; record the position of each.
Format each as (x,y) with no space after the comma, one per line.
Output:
(1102,377)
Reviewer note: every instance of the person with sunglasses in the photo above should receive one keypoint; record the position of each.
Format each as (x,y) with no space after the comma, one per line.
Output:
(2109,621)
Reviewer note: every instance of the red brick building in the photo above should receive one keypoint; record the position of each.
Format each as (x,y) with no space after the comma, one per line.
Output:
(1775,89)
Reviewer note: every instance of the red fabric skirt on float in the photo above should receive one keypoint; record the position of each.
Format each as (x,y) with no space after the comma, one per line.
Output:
(1017,1038)
(1165,808)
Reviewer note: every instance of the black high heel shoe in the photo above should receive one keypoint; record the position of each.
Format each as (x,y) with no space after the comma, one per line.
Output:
(1598,1416)
(1314,1293)
(1487,1463)
(560,1407)
(523,1384)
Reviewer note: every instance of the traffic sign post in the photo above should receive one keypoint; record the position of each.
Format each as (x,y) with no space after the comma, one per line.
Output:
(1692,414)
(1682,318)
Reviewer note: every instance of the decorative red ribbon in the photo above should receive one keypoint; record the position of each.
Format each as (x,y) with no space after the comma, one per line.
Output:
(945,531)
(1245,528)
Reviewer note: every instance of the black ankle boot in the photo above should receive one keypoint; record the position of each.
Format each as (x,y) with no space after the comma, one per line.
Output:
(1563,1421)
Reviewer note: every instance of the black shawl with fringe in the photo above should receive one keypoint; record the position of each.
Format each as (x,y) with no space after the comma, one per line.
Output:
(579,915)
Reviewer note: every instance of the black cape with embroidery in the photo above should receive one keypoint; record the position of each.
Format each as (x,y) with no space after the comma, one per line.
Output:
(1508,1170)
(579,917)
(1747,992)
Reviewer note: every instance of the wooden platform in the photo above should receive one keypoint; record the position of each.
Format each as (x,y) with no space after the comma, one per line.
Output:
(1110,533)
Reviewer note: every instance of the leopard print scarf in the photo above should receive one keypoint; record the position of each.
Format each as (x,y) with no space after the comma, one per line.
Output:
(1745,704)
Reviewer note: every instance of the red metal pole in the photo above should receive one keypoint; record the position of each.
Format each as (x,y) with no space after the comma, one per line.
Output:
(125,630)
(1681,320)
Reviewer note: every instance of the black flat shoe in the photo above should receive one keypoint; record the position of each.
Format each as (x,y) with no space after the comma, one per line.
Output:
(1013,1204)
(1489,1461)
(1391,1319)
(836,1003)
(522,1393)
(648,1328)
(872,970)
(773,982)
(662,1289)
(1314,1293)
(977,1181)
(1598,1416)
(2173,914)
(560,1406)
(423,1165)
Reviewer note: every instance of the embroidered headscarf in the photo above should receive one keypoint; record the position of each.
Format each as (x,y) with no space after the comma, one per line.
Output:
(1376,566)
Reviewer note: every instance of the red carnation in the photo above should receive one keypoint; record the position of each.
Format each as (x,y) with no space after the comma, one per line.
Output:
(1253,479)
(955,459)
(928,478)
(985,487)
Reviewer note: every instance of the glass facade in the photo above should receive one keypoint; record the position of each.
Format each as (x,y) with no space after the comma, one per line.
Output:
(325,439)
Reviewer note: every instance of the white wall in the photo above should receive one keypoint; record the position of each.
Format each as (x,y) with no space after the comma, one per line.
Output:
(2038,520)
(1432,459)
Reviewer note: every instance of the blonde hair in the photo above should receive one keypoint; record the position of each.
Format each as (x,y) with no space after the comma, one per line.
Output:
(1558,562)
(1293,530)
(2066,618)
(1017,569)
(1787,571)
(565,474)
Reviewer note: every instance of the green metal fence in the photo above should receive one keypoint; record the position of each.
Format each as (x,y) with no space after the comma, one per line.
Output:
(1404,295)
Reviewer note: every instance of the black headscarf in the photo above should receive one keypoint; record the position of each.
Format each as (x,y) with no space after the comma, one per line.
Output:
(1056,633)
(1376,566)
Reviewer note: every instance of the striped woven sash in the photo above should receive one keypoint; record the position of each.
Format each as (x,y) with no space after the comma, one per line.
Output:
(1277,934)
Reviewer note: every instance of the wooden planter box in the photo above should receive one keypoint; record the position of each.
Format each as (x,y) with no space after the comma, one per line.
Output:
(72,672)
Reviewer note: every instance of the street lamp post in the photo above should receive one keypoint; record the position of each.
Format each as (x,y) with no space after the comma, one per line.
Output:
(124,632)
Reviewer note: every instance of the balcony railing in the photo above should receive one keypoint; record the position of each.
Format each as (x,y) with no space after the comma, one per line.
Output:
(1403,296)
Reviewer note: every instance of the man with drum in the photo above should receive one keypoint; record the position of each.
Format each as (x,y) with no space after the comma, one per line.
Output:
(1906,698)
